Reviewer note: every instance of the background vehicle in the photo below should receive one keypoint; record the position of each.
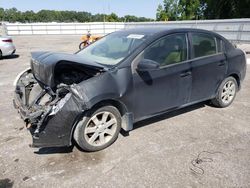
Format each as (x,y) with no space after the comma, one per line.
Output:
(6,46)
(123,78)
(88,40)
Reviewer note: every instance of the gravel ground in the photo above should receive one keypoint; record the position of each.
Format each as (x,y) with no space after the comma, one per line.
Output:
(158,153)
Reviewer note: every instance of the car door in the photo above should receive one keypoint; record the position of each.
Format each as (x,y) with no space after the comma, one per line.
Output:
(169,85)
(208,66)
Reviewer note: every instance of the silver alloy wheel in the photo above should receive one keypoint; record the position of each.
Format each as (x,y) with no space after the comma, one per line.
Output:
(100,128)
(228,92)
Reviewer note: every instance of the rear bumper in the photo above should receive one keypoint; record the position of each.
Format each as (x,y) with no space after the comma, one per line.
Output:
(8,49)
(50,126)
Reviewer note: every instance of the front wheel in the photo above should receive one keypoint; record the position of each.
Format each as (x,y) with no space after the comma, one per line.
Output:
(226,93)
(98,129)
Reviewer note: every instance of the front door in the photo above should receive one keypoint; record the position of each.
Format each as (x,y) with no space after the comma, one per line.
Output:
(168,86)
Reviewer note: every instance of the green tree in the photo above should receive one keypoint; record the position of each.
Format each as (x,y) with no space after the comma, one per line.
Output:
(172,9)
(130,18)
(161,14)
(243,7)
(143,19)
(13,15)
(189,9)
(29,16)
(1,14)
(98,17)
(83,17)
(179,10)
(203,9)
(112,18)
(226,9)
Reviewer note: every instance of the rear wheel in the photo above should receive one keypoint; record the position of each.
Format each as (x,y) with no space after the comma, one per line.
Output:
(98,129)
(226,93)
(82,45)
(1,55)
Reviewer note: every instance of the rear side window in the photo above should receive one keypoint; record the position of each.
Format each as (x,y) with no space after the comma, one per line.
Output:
(220,45)
(203,45)
(168,50)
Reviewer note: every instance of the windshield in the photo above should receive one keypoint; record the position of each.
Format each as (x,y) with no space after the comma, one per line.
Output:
(113,48)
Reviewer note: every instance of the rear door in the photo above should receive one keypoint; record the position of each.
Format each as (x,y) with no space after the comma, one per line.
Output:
(208,65)
(166,87)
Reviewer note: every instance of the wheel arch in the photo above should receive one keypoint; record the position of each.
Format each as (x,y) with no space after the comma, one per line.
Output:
(236,77)
(118,104)
(127,118)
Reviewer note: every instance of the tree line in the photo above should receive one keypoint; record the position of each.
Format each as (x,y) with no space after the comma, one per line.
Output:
(14,15)
(168,10)
(202,9)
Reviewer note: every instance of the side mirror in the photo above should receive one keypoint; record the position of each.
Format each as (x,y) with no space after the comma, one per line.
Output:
(147,65)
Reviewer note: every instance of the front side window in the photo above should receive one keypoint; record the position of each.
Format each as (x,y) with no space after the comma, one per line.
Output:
(203,45)
(168,50)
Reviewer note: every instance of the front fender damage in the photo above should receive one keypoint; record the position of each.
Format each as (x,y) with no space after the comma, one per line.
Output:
(49,116)
(52,113)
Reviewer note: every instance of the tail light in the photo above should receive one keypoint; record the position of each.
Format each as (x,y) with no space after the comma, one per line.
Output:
(7,40)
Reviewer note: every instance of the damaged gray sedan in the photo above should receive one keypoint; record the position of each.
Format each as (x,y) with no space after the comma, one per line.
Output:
(124,77)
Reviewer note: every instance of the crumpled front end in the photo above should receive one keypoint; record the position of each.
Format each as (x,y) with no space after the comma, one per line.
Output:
(48,114)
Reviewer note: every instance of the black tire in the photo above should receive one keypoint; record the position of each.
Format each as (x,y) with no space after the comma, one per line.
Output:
(218,100)
(80,134)
(1,55)
(82,45)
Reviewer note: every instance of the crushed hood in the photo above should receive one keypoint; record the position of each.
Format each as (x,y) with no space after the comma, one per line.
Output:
(43,65)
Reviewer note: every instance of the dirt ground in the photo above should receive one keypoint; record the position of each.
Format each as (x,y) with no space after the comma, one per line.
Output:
(158,153)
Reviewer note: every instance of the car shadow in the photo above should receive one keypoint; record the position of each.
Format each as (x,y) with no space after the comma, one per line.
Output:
(169,115)
(14,56)
(137,125)
(54,150)
(6,183)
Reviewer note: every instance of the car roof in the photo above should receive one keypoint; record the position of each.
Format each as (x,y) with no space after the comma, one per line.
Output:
(161,29)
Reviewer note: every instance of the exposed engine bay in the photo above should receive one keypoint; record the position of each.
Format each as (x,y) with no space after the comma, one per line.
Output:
(38,102)
(72,74)
(51,69)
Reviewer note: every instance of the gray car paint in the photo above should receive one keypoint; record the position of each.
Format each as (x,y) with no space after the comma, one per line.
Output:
(131,91)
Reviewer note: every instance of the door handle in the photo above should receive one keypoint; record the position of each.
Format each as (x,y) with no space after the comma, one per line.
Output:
(184,74)
(222,63)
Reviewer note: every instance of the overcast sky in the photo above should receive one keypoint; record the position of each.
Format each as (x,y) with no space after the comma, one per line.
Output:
(145,8)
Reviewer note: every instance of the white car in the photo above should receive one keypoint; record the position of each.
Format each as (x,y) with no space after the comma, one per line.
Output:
(6,46)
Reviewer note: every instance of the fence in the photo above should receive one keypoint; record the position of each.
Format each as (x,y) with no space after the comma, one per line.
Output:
(237,30)
(101,28)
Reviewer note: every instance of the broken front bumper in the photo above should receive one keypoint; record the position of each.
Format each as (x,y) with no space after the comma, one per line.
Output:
(50,121)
